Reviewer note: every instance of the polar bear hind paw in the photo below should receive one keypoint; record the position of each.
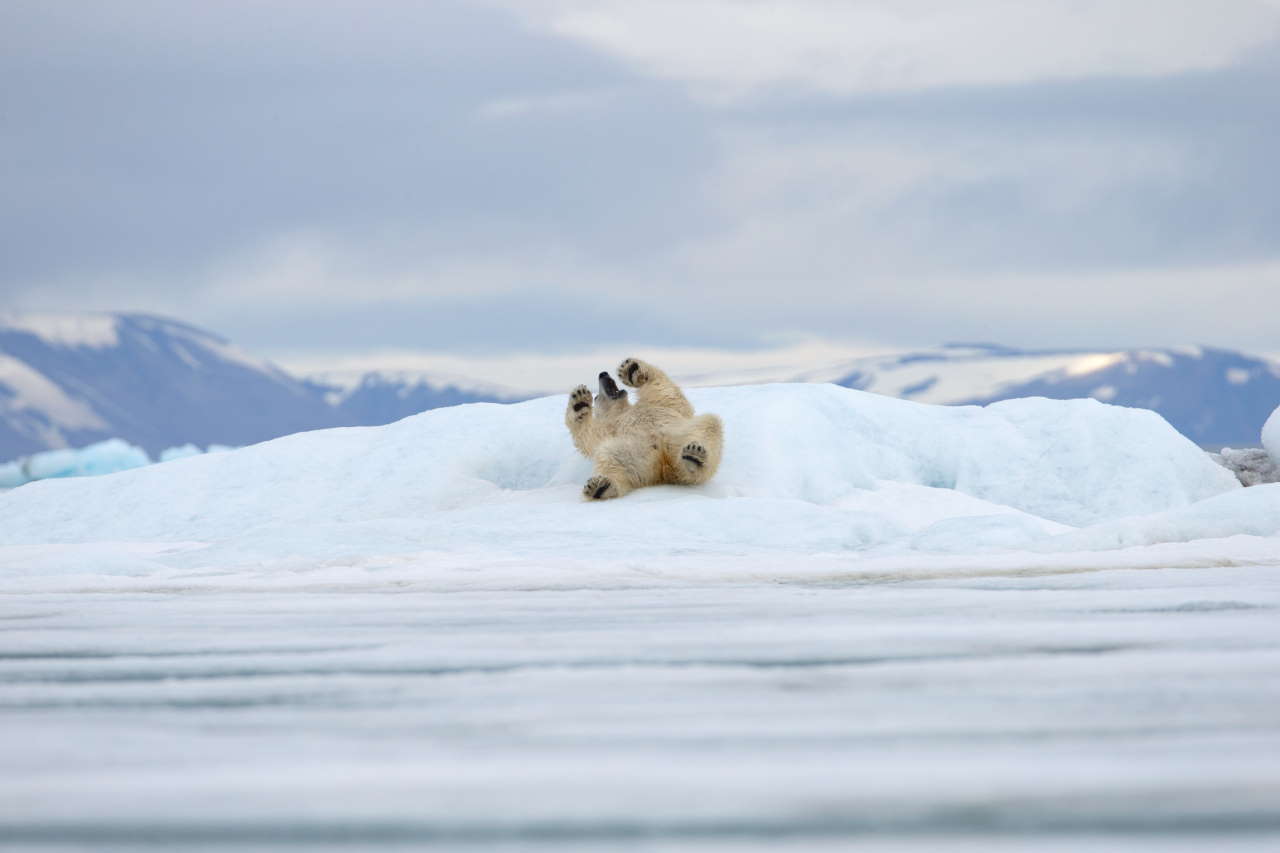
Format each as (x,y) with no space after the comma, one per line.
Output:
(632,372)
(693,456)
(599,489)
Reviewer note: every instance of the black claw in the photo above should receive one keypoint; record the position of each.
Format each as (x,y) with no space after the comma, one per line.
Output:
(600,491)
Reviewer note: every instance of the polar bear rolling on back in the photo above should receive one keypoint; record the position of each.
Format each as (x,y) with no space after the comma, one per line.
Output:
(657,440)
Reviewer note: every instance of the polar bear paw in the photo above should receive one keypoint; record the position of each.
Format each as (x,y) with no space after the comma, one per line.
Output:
(580,402)
(633,372)
(599,489)
(693,456)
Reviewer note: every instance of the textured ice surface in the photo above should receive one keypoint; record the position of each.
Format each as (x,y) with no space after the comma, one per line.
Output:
(1113,710)
(883,624)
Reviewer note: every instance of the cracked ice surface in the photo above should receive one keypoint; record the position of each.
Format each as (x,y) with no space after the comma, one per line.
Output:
(1037,624)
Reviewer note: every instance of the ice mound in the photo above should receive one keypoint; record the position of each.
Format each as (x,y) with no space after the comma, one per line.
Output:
(1271,435)
(105,457)
(181,452)
(808,469)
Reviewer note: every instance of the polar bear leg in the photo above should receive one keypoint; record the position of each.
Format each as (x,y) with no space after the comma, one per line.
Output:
(621,465)
(578,418)
(695,447)
(653,387)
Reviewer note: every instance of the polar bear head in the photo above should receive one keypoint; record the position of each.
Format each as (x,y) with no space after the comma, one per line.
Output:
(610,398)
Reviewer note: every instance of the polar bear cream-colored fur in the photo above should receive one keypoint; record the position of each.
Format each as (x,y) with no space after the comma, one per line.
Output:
(656,440)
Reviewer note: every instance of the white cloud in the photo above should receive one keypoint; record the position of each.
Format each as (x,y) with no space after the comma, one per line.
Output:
(534,372)
(472,164)
(826,213)
(730,47)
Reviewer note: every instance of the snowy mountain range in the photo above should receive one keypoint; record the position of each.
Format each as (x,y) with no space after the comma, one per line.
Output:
(68,380)
(1215,397)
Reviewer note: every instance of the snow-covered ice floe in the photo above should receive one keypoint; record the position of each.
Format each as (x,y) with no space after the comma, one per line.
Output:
(811,471)
(1035,625)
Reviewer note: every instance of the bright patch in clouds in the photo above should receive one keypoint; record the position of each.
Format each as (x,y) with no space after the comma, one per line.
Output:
(729,47)
(489,176)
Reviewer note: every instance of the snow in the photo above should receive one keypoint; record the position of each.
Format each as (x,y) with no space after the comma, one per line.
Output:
(1035,625)
(348,380)
(1093,363)
(1271,435)
(96,331)
(800,465)
(532,374)
(808,470)
(181,452)
(31,390)
(1161,358)
(945,375)
(960,376)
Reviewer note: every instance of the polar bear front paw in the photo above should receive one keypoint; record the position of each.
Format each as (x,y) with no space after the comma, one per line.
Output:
(633,372)
(580,402)
(693,456)
(599,489)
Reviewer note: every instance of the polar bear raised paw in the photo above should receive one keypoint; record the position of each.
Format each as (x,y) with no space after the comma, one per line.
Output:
(580,402)
(633,372)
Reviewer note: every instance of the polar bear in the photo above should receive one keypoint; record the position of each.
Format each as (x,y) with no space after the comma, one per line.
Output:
(658,440)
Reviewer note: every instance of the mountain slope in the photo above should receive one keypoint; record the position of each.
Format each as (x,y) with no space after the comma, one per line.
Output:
(381,397)
(69,380)
(1213,396)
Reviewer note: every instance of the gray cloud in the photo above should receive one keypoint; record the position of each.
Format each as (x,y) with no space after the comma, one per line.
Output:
(131,154)
(341,176)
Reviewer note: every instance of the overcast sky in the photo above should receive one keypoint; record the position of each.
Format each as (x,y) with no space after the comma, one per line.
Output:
(560,175)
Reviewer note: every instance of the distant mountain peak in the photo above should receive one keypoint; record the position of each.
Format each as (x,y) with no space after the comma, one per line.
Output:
(71,380)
